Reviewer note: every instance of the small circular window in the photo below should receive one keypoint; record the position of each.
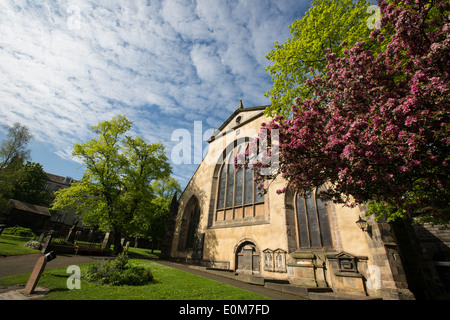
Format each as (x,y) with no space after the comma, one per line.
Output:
(238,119)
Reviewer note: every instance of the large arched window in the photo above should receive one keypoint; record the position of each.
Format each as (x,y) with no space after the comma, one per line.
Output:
(313,224)
(237,195)
(194,220)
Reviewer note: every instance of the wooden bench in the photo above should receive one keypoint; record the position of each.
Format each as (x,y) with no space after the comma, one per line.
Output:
(89,248)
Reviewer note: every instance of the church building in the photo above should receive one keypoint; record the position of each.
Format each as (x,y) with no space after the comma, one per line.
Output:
(221,222)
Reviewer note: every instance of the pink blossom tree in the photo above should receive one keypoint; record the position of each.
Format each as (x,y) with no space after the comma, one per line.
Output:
(377,127)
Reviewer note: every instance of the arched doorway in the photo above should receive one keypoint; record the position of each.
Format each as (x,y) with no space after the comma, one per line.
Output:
(247,258)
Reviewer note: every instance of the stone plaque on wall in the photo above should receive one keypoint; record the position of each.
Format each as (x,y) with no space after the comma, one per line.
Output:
(274,260)
(280,260)
(268,260)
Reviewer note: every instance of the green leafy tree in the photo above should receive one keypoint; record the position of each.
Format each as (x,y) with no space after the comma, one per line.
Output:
(152,222)
(325,25)
(166,188)
(14,149)
(116,187)
(377,128)
(30,187)
(13,152)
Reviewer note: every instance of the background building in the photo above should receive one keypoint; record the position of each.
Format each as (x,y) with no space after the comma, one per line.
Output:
(53,184)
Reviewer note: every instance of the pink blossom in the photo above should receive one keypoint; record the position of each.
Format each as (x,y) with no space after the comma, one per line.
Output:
(377,127)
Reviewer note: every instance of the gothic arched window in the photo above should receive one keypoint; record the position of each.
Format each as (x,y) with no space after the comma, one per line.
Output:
(312,222)
(237,195)
(194,220)
(189,225)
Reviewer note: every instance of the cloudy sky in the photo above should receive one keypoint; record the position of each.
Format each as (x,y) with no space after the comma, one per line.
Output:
(66,65)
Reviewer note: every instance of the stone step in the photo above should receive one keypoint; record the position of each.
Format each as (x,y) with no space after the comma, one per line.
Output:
(295,290)
(240,277)
(338,296)
(311,293)
(250,279)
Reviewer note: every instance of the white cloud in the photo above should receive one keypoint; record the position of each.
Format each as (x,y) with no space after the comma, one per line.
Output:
(208,64)
(67,65)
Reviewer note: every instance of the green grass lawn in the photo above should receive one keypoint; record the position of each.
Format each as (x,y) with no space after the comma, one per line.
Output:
(11,245)
(144,252)
(14,245)
(168,284)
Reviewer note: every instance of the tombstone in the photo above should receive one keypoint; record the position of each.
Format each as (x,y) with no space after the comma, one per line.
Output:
(41,237)
(347,276)
(47,241)
(268,259)
(301,269)
(125,250)
(280,260)
(247,259)
(37,272)
(106,244)
(71,235)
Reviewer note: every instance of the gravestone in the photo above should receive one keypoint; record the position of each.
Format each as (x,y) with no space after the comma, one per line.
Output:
(71,235)
(106,244)
(125,250)
(41,237)
(47,241)
(37,272)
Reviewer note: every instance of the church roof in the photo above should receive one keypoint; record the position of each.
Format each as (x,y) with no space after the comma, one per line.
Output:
(239,110)
(28,207)
(235,114)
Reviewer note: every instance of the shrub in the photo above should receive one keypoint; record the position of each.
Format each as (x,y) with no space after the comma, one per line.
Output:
(19,231)
(61,242)
(117,272)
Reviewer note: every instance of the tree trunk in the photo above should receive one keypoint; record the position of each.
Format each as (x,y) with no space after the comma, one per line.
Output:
(118,248)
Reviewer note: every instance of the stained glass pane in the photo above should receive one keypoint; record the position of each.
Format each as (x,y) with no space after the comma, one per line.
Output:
(230,182)
(236,188)
(248,198)
(239,183)
(239,187)
(258,197)
(324,222)
(193,226)
(314,232)
(302,223)
(221,192)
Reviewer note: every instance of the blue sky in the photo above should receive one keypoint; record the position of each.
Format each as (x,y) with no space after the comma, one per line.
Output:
(67,65)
